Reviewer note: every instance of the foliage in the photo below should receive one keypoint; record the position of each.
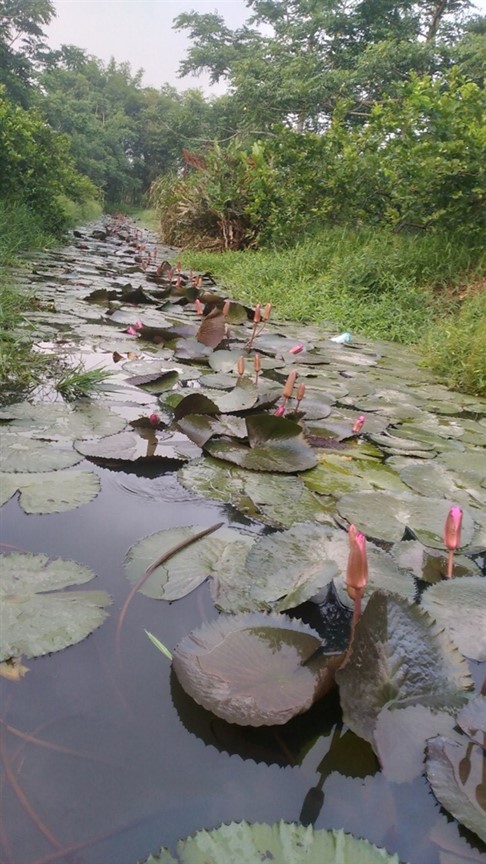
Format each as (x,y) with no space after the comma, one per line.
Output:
(455,348)
(303,57)
(21,44)
(79,382)
(372,282)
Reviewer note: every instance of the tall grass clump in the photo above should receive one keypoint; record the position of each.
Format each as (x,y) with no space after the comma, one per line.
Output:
(375,282)
(454,348)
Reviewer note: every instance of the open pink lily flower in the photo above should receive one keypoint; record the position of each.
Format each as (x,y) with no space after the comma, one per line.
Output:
(134,328)
(452,535)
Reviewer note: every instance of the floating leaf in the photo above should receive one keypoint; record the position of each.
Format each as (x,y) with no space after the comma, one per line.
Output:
(290,842)
(466,801)
(19,453)
(248,669)
(459,606)
(385,516)
(37,617)
(274,498)
(398,656)
(185,570)
(276,444)
(212,329)
(430,565)
(58,422)
(129,446)
(50,493)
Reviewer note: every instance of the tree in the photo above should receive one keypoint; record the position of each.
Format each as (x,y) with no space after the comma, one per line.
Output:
(312,53)
(22,47)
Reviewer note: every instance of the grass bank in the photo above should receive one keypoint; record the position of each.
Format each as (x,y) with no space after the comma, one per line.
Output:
(405,288)
(21,231)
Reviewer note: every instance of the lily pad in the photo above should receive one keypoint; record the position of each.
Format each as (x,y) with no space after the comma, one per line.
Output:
(432,476)
(459,605)
(273,498)
(185,570)
(430,565)
(19,453)
(58,422)
(276,444)
(385,516)
(38,618)
(50,493)
(472,719)
(130,446)
(398,657)
(289,842)
(249,669)
(465,801)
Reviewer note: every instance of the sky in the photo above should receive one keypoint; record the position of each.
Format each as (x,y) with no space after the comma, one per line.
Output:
(140,32)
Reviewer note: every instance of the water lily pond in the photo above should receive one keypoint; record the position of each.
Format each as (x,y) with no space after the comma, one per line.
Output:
(200,497)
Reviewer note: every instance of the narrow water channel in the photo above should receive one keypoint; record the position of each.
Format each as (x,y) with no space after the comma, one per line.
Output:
(104,758)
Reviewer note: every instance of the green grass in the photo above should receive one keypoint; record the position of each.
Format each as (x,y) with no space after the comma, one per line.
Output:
(80,382)
(371,282)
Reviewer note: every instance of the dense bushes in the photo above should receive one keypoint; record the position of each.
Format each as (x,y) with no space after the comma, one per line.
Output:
(416,163)
(36,167)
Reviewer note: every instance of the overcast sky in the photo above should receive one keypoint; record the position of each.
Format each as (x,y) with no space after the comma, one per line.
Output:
(137,31)
(140,32)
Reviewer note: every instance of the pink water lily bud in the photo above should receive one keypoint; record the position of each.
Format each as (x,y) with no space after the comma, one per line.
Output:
(296,349)
(280,411)
(132,331)
(358,424)
(257,315)
(154,419)
(199,306)
(267,311)
(226,307)
(240,366)
(300,391)
(357,569)
(257,363)
(289,385)
(452,529)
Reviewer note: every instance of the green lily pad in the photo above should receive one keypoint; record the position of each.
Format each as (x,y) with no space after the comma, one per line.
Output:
(432,476)
(398,657)
(185,570)
(459,605)
(274,498)
(58,421)
(385,515)
(276,444)
(19,453)
(38,618)
(50,493)
(430,565)
(249,669)
(289,842)
(465,801)
(130,446)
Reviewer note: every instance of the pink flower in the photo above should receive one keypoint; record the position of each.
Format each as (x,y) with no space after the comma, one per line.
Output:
(154,419)
(199,306)
(296,349)
(357,569)
(280,411)
(452,529)
(358,425)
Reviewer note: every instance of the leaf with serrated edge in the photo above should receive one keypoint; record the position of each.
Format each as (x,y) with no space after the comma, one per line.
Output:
(459,606)
(398,657)
(290,842)
(465,801)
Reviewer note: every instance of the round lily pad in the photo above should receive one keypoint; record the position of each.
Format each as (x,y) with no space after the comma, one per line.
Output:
(50,493)
(289,842)
(459,605)
(251,669)
(20,453)
(37,617)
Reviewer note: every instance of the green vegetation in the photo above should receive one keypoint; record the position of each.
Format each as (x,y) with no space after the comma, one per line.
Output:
(78,382)
(374,282)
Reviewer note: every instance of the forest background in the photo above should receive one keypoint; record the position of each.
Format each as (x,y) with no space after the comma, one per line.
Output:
(340,176)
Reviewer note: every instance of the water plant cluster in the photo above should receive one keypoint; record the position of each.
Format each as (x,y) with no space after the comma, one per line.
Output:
(302,436)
